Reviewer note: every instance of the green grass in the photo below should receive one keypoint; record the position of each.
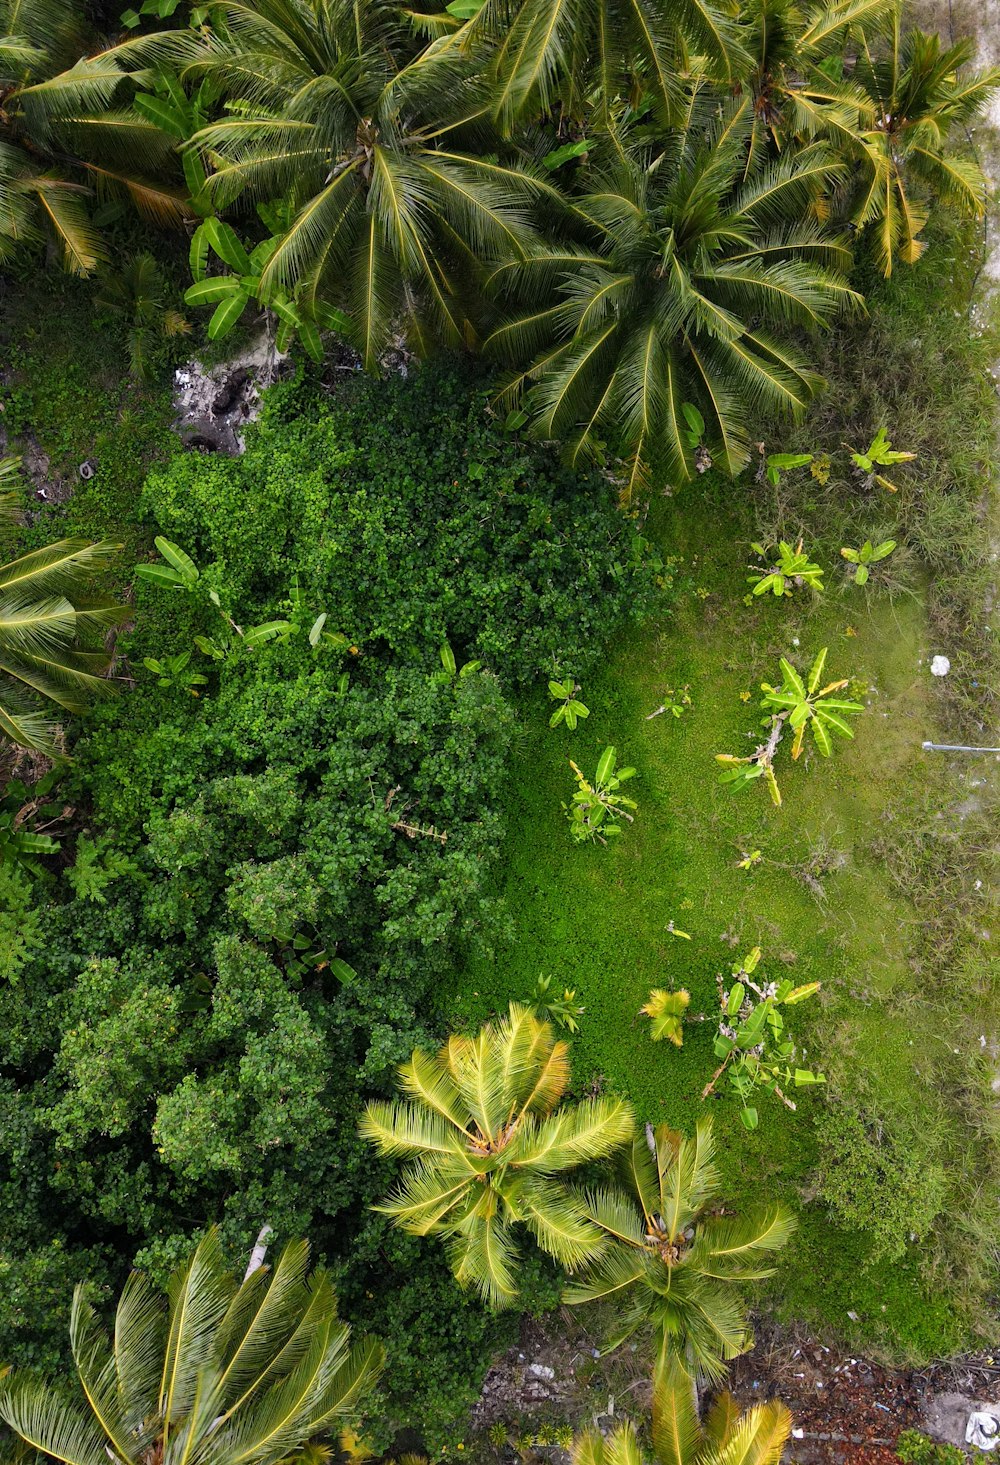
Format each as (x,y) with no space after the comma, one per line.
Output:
(597,918)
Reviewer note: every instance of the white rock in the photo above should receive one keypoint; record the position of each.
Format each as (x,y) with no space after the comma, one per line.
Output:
(539,1371)
(940,666)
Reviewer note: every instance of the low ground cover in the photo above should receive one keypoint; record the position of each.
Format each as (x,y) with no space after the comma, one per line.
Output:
(850,882)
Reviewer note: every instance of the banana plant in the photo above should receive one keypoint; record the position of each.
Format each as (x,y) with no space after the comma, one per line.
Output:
(751,1041)
(868,555)
(595,806)
(775,464)
(667,1012)
(299,313)
(798,705)
(879,454)
(570,709)
(786,571)
(179,116)
(179,572)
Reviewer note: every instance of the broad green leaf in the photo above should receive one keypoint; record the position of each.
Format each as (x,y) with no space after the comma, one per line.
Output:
(177,559)
(164,115)
(206,292)
(226,314)
(605,766)
(226,243)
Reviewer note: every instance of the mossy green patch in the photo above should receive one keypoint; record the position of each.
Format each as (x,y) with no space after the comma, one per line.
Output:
(816,900)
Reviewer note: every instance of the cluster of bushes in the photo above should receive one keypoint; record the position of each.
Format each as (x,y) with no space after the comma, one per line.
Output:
(276,866)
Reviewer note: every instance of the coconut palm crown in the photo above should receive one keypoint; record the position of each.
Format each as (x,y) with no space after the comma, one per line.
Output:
(677,281)
(221,1372)
(726,1437)
(489,1143)
(675,1260)
(920,97)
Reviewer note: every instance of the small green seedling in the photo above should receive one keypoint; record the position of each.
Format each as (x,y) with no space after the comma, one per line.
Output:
(595,806)
(570,708)
(666,1009)
(450,670)
(749,860)
(751,1040)
(869,554)
(879,454)
(172,671)
(787,570)
(562,1010)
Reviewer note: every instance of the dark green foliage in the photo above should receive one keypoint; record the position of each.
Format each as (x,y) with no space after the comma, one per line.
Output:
(275,879)
(414,522)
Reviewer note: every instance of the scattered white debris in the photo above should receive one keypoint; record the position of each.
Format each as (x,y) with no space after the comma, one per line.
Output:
(940,666)
(983,1430)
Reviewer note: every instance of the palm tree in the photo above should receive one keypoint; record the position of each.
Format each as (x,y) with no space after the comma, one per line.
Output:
(60,138)
(727,1436)
(571,52)
(223,1372)
(676,1262)
(794,48)
(919,98)
(48,617)
(677,287)
(334,109)
(480,1121)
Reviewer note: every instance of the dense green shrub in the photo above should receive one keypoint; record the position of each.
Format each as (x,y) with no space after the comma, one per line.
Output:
(879,1177)
(274,878)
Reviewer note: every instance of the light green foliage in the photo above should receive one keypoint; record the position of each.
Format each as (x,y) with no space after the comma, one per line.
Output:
(667,1009)
(270,1353)
(756,1052)
(727,1436)
(675,1261)
(570,709)
(869,554)
(879,1177)
(798,705)
(97,866)
(563,1010)
(879,454)
(490,1147)
(790,570)
(777,463)
(21,931)
(914,1448)
(596,806)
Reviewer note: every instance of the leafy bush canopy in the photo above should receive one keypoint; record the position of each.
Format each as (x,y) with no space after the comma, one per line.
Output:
(281,870)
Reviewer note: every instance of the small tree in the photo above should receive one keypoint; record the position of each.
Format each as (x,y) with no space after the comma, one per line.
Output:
(726,1437)
(675,1260)
(219,1371)
(489,1146)
(751,1039)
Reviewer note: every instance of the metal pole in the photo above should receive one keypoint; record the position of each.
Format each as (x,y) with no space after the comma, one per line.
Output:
(955,748)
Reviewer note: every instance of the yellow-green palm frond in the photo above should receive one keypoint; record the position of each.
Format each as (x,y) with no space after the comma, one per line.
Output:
(586,1131)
